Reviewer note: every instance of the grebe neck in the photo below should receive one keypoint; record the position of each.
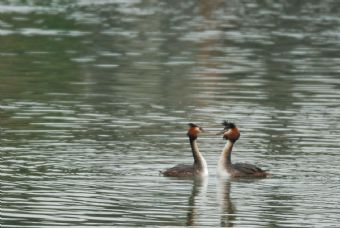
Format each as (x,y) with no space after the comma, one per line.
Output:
(200,165)
(224,162)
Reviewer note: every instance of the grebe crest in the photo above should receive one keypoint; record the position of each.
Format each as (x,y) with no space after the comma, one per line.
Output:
(230,131)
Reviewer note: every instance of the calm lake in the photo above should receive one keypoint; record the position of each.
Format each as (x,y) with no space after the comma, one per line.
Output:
(95,98)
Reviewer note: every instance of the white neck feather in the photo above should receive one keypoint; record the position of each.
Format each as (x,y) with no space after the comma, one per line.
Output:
(224,162)
(199,159)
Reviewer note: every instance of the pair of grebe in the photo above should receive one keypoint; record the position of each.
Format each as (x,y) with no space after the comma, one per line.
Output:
(225,166)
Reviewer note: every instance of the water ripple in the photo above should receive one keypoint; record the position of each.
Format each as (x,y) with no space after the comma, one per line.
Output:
(95,98)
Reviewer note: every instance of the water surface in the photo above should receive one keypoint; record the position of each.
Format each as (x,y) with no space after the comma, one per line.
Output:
(95,97)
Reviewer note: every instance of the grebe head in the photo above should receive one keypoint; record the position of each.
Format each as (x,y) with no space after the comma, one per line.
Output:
(194,130)
(230,131)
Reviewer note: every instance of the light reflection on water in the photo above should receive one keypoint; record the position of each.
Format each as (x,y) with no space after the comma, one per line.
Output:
(95,98)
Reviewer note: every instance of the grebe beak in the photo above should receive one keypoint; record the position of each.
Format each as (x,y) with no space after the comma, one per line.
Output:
(221,132)
(207,132)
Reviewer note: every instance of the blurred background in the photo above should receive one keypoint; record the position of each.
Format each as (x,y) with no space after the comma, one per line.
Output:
(95,97)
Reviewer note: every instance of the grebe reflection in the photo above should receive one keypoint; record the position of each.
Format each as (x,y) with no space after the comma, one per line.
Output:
(197,202)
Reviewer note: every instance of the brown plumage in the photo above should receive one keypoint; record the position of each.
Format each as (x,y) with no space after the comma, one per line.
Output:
(180,170)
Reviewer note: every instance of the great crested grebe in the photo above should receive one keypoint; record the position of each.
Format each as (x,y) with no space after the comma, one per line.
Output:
(199,168)
(225,167)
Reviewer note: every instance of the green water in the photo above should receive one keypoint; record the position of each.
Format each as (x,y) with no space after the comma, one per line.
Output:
(95,97)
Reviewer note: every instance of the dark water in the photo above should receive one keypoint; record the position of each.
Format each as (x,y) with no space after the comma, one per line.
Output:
(95,97)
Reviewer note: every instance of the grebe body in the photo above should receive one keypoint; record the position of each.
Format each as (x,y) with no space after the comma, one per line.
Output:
(199,167)
(225,167)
